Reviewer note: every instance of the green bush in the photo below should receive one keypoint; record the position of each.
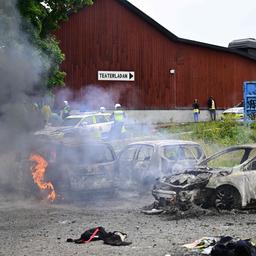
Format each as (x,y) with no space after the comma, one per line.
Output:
(222,133)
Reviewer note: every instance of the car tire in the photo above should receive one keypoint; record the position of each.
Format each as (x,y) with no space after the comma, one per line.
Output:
(227,198)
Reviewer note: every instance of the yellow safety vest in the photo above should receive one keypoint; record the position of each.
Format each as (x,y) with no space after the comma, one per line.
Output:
(119,115)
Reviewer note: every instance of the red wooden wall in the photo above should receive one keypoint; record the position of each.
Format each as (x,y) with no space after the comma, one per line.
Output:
(108,36)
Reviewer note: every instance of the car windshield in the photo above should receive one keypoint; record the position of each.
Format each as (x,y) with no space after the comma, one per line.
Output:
(181,152)
(230,158)
(240,104)
(71,121)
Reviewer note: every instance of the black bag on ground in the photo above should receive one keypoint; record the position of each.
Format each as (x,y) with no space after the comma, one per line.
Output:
(115,238)
(92,234)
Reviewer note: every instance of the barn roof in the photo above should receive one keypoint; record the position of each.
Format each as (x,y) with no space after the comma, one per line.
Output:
(173,37)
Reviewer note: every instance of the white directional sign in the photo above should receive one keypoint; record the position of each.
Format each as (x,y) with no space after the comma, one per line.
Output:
(116,75)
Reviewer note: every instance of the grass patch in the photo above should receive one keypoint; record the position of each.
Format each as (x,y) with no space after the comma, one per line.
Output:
(214,135)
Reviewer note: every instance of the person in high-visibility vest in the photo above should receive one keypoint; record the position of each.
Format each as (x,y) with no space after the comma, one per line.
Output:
(212,108)
(118,116)
(47,112)
(196,110)
(66,109)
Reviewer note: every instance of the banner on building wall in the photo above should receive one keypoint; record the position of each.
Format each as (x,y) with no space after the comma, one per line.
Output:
(250,101)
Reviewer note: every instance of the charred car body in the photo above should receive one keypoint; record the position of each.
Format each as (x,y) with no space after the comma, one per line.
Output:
(78,166)
(225,180)
(140,163)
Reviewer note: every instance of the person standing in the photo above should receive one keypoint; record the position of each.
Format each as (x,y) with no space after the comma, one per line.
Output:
(196,110)
(66,109)
(118,116)
(47,112)
(212,108)
(102,109)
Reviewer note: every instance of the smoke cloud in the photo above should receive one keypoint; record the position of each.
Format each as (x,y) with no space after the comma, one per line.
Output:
(21,67)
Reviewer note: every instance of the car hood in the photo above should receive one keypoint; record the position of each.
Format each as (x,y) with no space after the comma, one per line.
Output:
(53,130)
(65,128)
(194,178)
(236,110)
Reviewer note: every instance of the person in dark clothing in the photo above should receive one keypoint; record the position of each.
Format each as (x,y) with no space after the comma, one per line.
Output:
(196,110)
(212,108)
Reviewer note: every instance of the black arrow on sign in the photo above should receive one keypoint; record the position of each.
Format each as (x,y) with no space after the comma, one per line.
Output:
(130,76)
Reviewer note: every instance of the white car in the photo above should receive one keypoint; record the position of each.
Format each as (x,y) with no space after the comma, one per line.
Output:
(235,113)
(90,123)
(98,121)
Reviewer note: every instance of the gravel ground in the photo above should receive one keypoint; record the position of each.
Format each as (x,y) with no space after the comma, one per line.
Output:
(30,227)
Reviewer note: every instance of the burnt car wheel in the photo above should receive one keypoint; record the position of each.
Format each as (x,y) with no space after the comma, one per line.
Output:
(227,198)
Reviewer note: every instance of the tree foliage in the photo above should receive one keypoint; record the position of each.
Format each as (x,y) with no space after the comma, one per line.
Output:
(41,18)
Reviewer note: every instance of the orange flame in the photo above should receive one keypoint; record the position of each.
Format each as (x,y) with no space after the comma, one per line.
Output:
(38,172)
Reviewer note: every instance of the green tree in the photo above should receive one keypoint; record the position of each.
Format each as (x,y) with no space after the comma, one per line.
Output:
(41,18)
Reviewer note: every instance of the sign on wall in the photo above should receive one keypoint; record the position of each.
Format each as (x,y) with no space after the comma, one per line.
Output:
(116,75)
(250,101)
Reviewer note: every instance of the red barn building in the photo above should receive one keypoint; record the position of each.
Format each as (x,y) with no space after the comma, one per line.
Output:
(165,71)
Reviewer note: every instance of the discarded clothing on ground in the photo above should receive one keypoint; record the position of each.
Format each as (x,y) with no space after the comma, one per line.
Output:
(115,238)
(229,247)
(223,246)
(203,245)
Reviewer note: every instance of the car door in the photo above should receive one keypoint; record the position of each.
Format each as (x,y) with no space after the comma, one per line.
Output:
(142,163)
(87,123)
(91,167)
(102,123)
(250,181)
(190,155)
(126,162)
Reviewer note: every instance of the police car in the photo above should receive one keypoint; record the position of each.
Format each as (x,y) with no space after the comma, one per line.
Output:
(236,113)
(94,121)
(94,124)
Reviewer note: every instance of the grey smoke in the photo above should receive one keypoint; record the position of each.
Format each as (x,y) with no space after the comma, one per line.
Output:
(21,66)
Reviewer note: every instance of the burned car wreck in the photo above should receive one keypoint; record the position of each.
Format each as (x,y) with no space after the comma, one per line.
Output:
(69,168)
(226,180)
(141,162)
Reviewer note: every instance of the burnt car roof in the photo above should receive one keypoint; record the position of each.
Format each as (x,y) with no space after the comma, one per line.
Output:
(164,142)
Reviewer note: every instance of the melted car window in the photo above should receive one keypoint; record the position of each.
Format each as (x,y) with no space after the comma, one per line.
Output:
(228,159)
(181,152)
(145,153)
(171,152)
(252,153)
(128,154)
(191,152)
